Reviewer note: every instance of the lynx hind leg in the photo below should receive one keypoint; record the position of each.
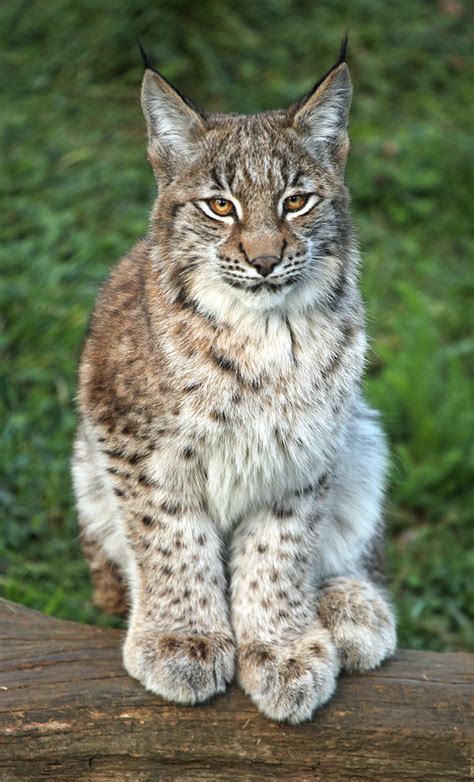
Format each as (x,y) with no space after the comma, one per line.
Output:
(101,537)
(110,591)
(360,620)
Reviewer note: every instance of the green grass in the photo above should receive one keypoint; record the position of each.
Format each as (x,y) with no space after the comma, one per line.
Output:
(75,193)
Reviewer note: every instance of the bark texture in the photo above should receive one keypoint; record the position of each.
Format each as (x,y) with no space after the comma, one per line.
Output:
(69,711)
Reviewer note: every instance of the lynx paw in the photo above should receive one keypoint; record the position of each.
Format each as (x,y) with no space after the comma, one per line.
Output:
(289,682)
(181,668)
(360,621)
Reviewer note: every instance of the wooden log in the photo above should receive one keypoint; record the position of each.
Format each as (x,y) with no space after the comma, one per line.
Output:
(70,712)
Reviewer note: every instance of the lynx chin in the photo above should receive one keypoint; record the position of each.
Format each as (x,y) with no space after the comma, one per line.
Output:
(229,475)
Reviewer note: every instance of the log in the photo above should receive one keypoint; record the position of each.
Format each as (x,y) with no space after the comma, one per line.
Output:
(70,712)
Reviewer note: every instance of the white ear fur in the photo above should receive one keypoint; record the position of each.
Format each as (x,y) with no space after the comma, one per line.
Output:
(323,116)
(172,123)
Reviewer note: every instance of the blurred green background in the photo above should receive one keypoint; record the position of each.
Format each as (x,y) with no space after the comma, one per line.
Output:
(75,194)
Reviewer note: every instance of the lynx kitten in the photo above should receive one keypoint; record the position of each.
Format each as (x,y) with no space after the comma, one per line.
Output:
(229,476)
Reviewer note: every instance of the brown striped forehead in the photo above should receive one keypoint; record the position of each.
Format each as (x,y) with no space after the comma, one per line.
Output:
(249,155)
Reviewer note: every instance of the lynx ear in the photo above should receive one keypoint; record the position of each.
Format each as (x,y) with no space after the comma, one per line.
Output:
(173,123)
(322,116)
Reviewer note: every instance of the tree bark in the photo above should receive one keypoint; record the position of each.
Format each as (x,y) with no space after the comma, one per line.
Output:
(68,711)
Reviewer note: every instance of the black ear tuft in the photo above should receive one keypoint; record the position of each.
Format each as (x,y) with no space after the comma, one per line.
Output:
(342,50)
(147,63)
(341,58)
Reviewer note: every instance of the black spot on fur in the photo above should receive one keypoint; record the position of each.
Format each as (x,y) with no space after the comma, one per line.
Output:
(218,415)
(294,345)
(115,453)
(192,387)
(323,481)
(175,209)
(224,362)
(339,290)
(170,508)
(281,512)
(144,480)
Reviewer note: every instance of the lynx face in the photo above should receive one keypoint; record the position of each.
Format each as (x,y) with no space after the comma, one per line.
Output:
(256,205)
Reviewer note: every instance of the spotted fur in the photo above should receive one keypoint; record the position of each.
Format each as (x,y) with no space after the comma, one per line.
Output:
(227,470)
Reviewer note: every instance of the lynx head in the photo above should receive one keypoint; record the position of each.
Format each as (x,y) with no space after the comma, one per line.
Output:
(252,211)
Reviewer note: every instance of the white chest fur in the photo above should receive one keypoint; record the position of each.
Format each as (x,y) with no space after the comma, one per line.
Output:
(253,443)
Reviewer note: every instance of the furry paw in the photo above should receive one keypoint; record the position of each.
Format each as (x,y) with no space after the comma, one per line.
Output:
(289,682)
(361,623)
(181,668)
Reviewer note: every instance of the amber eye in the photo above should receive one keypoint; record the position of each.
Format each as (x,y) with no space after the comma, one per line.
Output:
(221,206)
(294,202)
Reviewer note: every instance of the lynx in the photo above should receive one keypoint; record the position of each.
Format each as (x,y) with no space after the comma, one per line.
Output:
(229,475)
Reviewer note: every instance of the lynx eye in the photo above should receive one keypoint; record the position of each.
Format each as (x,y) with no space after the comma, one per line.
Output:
(295,202)
(221,206)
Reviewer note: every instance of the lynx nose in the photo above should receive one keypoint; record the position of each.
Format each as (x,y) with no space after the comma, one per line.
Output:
(265,264)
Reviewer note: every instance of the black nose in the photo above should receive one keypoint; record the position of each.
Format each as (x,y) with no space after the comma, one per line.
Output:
(265,264)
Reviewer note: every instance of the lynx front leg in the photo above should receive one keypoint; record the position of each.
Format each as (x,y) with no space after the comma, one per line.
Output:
(179,643)
(287,661)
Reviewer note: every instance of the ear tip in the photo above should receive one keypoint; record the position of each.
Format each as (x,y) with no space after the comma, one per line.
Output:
(342,72)
(149,83)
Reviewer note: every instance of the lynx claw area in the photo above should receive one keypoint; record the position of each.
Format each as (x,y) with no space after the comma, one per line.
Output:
(181,668)
(288,683)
